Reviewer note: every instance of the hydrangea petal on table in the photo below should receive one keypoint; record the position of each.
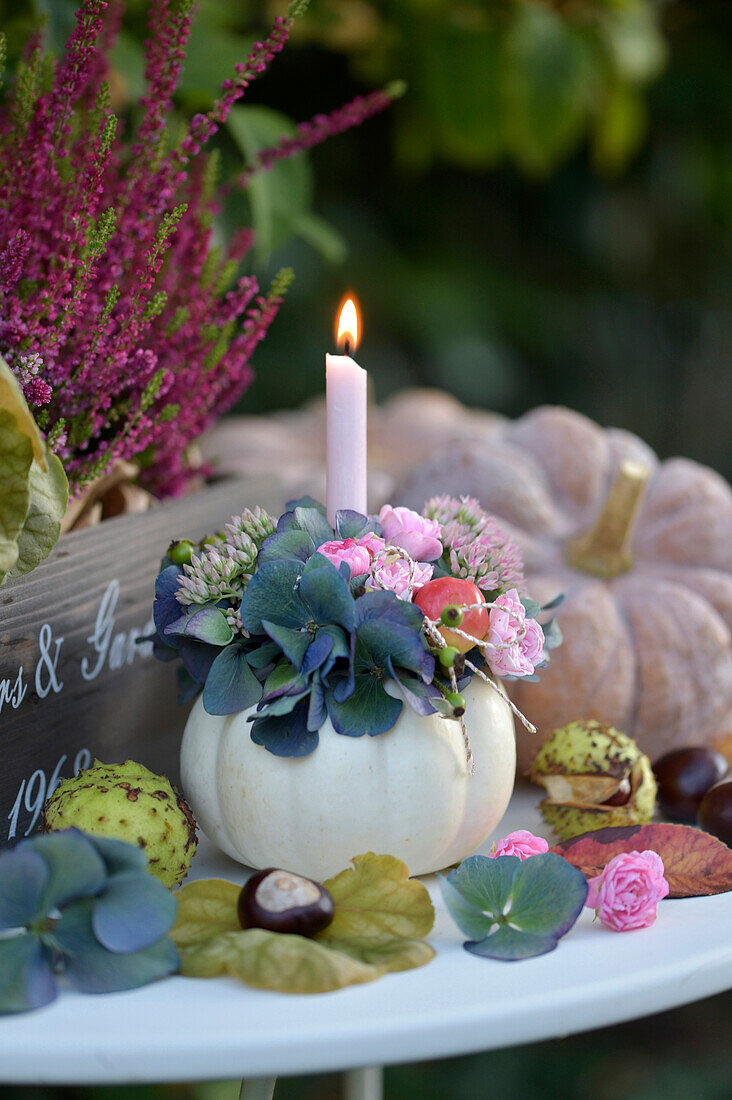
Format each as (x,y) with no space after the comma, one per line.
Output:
(83,906)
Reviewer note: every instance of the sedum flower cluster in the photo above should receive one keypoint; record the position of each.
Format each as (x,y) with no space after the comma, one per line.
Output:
(128,329)
(476,547)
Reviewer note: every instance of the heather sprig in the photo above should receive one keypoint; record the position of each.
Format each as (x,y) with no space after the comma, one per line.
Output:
(128,330)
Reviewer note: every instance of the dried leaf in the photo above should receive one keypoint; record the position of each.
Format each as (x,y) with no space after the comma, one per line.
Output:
(388,955)
(380,915)
(271,960)
(376,900)
(205,909)
(695,863)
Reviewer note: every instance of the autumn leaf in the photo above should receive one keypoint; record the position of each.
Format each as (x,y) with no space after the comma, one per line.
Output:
(380,917)
(206,909)
(376,899)
(695,863)
(271,960)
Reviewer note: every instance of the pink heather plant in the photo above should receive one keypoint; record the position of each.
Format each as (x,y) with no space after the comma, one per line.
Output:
(625,895)
(128,331)
(520,843)
(476,547)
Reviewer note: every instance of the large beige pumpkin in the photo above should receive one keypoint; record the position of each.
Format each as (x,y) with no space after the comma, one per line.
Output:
(642,551)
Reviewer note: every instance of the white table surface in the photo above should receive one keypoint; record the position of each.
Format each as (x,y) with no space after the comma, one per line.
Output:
(185,1029)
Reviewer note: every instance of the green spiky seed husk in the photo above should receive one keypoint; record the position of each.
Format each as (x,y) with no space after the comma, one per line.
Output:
(593,750)
(129,802)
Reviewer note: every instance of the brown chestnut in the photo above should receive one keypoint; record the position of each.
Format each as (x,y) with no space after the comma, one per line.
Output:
(684,776)
(715,812)
(280,901)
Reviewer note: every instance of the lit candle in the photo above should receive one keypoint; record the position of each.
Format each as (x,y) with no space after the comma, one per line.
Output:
(345,393)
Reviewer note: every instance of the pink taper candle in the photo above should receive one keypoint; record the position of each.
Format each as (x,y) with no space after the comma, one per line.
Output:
(346,401)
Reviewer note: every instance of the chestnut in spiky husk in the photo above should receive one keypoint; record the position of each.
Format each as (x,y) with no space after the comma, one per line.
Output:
(595,776)
(280,901)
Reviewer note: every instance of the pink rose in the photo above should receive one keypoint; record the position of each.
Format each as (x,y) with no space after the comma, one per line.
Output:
(396,574)
(420,537)
(625,895)
(355,556)
(372,543)
(522,843)
(532,644)
(517,642)
(507,619)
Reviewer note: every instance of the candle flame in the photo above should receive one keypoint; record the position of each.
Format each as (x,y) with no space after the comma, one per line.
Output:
(348,328)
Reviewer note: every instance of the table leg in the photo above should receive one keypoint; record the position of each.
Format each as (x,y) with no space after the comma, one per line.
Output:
(260,1088)
(364,1084)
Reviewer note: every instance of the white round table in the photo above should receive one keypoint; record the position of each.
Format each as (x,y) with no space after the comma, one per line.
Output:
(183,1029)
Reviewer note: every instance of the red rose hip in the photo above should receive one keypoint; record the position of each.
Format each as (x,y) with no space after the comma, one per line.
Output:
(447,592)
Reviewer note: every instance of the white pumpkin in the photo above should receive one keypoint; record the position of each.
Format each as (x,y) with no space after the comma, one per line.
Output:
(406,792)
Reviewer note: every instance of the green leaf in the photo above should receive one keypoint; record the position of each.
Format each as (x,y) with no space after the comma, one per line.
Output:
(231,686)
(49,495)
(16,456)
(545,87)
(205,910)
(324,238)
(271,960)
(389,955)
(376,901)
(281,196)
(13,401)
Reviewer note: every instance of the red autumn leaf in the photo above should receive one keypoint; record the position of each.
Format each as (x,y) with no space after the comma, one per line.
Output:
(695,863)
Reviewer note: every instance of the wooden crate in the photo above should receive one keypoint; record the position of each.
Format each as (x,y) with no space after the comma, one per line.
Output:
(73,682)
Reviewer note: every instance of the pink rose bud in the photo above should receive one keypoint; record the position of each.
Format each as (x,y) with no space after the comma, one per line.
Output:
(372,543)
(625,895)
(522,843)
(416,534)
(356,557)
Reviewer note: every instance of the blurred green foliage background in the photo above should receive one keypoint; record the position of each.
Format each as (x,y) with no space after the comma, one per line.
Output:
(545,216)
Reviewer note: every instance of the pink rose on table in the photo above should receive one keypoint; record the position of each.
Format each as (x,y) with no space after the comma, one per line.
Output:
(515,643)
(521,843)
(396,574)
(355,556)
(420,537)
(626,893)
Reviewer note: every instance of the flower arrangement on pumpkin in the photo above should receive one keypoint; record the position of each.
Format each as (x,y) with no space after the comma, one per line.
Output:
(304,622)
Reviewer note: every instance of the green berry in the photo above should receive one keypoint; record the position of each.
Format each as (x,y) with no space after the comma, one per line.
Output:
(208,540)
(457,702)
(452,615)
(447,656)
(180,551)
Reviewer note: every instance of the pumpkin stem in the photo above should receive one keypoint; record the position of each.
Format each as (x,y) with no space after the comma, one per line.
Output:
(604,550)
